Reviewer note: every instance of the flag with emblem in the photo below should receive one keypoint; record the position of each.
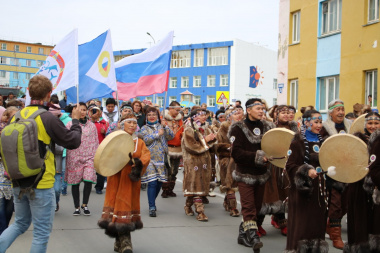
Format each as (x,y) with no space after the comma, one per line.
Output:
(146,73)
(96,70)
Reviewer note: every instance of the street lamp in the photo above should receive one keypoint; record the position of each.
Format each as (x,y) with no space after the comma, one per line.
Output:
(151,37)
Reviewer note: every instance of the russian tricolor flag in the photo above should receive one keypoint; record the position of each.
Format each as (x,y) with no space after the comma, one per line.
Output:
(146,73)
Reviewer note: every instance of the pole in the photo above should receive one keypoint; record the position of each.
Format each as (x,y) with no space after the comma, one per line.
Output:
(78,93)
(118,105)
(166,96)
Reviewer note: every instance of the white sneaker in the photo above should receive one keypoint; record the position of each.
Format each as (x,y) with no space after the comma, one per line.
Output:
(105,185)
(212,193)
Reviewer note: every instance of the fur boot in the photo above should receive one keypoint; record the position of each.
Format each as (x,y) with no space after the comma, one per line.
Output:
(117,244)
(188,210)
(165,190)
(171,188)
(225,203)
(316,245)
(232,204)
(242,238)
(199,208)
(125,243)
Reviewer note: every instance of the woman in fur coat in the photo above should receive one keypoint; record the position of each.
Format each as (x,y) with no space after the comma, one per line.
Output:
(197,139)
(121,210)
(307,213)
(226,163)
(360,204)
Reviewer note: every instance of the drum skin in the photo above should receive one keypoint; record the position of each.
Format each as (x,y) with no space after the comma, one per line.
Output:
(276,143)
(358,125)
(113,153)
(348,154)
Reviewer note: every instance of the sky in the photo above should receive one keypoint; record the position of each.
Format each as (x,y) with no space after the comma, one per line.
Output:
(195,21)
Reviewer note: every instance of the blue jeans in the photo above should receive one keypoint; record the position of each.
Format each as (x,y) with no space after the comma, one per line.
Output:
(6,211)
(57,186)
(64,184)
(154,188)
(40,211)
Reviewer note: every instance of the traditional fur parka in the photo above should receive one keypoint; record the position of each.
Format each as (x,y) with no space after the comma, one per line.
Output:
(245,137)
(176,125)
(197,160)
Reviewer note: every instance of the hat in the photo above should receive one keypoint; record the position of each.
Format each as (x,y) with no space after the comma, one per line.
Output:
(358,107)
(375,110)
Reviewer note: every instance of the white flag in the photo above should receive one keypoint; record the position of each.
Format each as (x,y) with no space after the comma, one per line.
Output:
(61,66)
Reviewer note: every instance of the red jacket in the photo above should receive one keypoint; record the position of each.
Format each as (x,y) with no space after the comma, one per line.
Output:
(99,125)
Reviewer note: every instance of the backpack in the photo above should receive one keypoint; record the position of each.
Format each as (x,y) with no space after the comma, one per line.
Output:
(20,148)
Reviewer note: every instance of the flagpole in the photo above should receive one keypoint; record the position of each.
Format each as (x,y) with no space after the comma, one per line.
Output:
(166,96)
(77,93)
(118,105)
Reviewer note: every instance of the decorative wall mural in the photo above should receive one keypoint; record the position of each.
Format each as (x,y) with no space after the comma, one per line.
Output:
(256,77)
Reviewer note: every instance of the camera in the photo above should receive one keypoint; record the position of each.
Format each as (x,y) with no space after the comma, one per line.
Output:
(94,111)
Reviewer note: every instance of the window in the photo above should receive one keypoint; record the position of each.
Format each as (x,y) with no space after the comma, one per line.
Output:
(274,83)
(160,101)
(27,76)
(371,87)
(223,80)
(149,99)
(328,91)
(172,98)
(3,60)
(3,46)
(197,100)
(15,61)
(199,56)
(331,16)
(40,50)
(173,82)
(28,49)
(211,81)
(185,82)
(17,48)
(294,93)
(28,63)
(180,59)
(373,10)
(2,73)
(211,101)
(15,75)
(40,63)
(296,27)
(197,81)
(217,56)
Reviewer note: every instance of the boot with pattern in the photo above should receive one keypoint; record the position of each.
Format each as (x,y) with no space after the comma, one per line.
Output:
(125,243)
(188,210)
(199,208)
(232,204)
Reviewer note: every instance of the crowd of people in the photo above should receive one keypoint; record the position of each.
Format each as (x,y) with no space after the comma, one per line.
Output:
(222,150)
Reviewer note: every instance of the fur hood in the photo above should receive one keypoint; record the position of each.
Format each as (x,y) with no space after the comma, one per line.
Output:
(329,125)
(372,138)
(216,123)
(250,136)
(293,126)
(170,118)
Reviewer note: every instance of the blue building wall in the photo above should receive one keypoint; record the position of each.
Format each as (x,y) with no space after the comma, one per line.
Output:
(192,71)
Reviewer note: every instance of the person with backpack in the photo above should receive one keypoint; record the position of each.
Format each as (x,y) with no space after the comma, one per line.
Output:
(33,191)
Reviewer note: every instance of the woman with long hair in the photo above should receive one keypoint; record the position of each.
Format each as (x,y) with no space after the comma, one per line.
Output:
(138,111)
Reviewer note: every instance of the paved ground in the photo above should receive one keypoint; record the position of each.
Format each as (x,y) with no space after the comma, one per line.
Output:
(170,231)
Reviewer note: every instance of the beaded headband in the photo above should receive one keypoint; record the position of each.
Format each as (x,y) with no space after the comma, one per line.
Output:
(254,104)
(175,106)
(335,106)
(313,118)
(220,114)
(230,114)
(372,118)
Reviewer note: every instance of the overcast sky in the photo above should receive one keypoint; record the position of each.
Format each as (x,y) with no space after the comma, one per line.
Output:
(194,21)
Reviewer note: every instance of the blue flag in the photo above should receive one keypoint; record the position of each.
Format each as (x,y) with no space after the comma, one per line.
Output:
(97,78)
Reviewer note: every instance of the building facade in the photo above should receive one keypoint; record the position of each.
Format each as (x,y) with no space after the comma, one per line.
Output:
(332,52)
(208,70)
(19,61)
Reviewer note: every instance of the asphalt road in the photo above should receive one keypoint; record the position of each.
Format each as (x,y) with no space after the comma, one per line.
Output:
(170,231)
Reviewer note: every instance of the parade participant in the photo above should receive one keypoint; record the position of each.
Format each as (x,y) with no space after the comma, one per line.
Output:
(174,121)
(39,207)
(276,190)
(374,174)
(336,123)
(125,109)
(186,113)
(80,162)
(101,125)
(65,118)
(6,197)
(110,113)
(227,184)
(138,111)
(121,210)
(196,141)
(220,117)
(251,169)
(291,112)
(307,194)
(360,203)
(156,137)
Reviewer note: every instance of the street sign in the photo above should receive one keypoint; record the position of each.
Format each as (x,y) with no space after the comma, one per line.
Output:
(222,95)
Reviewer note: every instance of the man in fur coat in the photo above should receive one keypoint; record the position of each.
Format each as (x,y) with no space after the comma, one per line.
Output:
(251,169)
(174,121)
(336,124)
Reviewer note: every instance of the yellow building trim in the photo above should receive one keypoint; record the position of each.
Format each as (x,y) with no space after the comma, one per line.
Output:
(18,69)
(19,55)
